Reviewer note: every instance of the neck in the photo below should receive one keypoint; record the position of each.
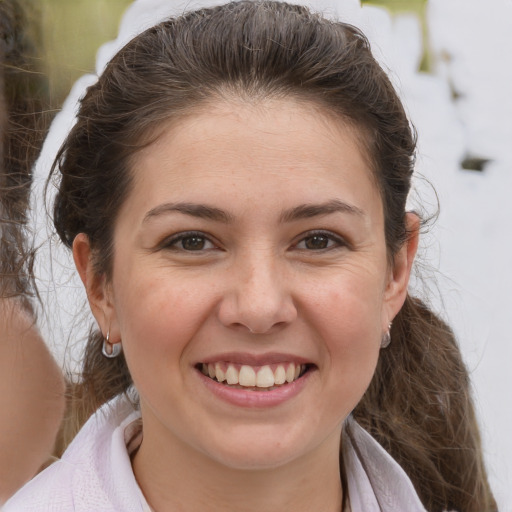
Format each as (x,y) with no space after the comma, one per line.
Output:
(177,478)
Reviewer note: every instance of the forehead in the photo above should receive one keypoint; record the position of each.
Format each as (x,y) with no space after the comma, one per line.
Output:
(258,148)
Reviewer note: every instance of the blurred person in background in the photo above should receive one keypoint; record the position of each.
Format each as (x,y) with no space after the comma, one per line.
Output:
(31,383)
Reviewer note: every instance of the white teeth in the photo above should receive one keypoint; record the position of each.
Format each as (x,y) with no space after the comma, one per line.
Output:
(231,375)
(290,373)
(280,375)
(219,374)
(265,377)
(247,376)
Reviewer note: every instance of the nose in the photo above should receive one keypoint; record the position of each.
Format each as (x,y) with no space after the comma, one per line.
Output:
(257,296)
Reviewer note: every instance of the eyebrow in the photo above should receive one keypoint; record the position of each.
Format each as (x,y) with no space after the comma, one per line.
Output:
(306,211)
(303,211)
(195,210)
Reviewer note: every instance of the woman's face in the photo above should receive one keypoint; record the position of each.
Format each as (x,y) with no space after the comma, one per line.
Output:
(251,249)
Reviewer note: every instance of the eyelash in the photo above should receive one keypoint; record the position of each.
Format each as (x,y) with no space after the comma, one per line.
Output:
(335,241)
(171,243)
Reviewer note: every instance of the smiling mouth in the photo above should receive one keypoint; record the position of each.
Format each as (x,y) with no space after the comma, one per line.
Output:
(253,378)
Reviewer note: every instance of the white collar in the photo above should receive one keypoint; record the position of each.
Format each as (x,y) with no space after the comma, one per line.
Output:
(375,481)
(95,472)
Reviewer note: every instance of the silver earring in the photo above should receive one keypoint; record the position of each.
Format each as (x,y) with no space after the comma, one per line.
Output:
(111,350)
(386,338)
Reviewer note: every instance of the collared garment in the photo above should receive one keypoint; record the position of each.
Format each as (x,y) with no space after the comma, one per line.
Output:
(95,472)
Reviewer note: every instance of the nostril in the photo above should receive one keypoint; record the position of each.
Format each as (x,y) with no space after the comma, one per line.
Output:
(258,312)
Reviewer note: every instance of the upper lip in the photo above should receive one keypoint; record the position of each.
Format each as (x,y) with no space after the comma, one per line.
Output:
(255,359)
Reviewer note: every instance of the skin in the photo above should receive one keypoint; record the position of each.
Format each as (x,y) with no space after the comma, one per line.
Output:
(260,284)
(31,385)
(31,399)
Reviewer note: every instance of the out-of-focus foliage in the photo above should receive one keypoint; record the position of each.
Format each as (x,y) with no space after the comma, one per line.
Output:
(72,32)
(74,29)
(417,7)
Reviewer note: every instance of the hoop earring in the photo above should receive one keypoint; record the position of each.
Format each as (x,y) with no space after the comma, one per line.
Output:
(386,338)
(111,350)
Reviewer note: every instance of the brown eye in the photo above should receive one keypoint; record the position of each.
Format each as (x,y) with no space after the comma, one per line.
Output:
(188,242)
(193,243)
(317,242)
(320,241)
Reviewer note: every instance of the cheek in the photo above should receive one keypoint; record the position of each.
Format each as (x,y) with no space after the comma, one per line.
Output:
(352,324)
(349,307)
(348,319)
(157,315)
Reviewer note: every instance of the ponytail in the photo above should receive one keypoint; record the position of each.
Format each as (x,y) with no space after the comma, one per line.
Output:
(420,409)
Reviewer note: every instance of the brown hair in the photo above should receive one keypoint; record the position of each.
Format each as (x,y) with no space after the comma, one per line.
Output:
(418,404)
(23,119)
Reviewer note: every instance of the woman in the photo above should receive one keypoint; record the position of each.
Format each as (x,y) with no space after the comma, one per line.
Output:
(234,192)
(31,384)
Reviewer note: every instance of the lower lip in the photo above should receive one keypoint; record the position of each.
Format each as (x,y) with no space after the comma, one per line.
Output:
(252,398)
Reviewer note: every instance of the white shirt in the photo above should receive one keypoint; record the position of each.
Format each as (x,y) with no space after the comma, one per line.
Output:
(95,472)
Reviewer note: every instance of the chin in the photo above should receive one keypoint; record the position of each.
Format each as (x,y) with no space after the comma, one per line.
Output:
(254,460)
(257,450)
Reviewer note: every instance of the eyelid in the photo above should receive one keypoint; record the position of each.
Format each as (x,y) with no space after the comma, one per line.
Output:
(170,242)
(338,239)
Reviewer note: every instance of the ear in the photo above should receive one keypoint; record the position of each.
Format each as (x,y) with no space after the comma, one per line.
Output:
(96,286)
(400,272)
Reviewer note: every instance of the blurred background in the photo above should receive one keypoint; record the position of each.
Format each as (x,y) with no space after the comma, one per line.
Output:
(73,30)
(451,62)
(71,33)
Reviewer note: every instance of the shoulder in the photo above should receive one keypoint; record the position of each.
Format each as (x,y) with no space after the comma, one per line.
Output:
(48,491)
(94,473)
(30,417)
